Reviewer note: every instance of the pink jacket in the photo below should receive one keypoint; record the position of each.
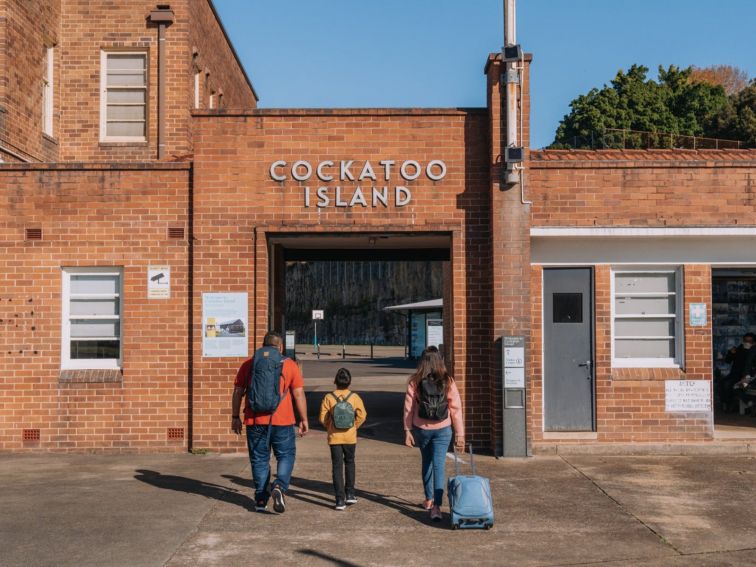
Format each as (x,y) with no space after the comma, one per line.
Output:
(411,417)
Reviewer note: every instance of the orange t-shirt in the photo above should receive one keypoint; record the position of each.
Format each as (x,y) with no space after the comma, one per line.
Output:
(291,377)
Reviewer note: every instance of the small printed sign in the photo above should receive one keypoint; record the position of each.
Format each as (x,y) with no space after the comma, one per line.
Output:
(514,377)
(318,314)
(435,332)
(514,357)
(158,282)
(687,396)
(698,315)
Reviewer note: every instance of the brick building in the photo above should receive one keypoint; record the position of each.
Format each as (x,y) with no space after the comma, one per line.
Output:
(121,164)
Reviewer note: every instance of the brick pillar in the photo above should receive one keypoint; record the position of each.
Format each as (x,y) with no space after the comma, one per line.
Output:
(510,243)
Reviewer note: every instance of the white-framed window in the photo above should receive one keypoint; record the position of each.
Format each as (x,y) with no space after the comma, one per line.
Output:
(123,96)
(647,320)
(47,91)
(211,100)
(91,310)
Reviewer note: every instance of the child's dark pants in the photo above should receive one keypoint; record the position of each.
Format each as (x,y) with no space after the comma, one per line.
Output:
(342,457)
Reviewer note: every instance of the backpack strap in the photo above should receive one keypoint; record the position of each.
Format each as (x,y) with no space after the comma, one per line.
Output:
(349,395)
(335,397)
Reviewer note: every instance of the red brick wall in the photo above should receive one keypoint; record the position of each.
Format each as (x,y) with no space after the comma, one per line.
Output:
(27,27)
(237,204)
(216,57)
(80,29)
(643,188)
(98,216)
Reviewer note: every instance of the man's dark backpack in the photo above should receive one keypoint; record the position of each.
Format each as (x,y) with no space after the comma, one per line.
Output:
(264,389)
(432,400)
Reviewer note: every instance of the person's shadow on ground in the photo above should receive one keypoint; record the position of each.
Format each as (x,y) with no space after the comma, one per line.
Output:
(193,486)
(319,493)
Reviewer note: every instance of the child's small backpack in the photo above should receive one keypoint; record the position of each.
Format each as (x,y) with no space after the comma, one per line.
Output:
(343,412)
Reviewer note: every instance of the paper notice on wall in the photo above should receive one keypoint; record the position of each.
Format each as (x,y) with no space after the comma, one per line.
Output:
(687,396)
(435,332)
(224,324)
(158,282)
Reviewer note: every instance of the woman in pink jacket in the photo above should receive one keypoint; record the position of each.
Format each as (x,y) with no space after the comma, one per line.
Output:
(432,406)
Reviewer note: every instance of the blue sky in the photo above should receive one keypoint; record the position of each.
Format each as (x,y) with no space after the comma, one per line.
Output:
(396,53)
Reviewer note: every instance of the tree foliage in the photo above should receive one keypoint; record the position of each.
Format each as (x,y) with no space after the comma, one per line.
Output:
(732,79)
(678,103)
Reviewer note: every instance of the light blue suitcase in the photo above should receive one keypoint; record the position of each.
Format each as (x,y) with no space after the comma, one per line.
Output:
(470,499)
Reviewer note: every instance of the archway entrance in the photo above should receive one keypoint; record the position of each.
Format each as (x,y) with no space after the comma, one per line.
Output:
(357,280)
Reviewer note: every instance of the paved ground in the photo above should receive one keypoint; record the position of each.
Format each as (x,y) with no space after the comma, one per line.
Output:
(185,510)
(182,510)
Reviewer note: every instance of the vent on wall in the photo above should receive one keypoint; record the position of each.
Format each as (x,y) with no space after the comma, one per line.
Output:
(176,232)
(33,234)
(30,435)
(175,433)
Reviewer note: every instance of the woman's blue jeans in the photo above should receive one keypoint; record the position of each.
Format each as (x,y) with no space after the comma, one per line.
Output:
(433,444)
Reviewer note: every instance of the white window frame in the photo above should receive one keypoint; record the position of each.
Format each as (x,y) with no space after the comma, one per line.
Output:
(679,326)
(66,363)
(104,95)
(47,91)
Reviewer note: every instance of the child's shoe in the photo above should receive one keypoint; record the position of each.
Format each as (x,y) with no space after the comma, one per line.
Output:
(340,504)
(351,498)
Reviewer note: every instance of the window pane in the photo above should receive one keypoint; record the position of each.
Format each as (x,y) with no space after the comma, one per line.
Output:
(129,96)
(644,327)
(94,328)
(644,283)
(94,284)
(568,307)
(95,349)
(129,61)
(129,129)
(116,112)
(644,305)
(94,306)
(638,348)
(126,79)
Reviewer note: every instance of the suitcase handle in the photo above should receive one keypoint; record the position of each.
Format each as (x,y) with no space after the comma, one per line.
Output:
(472,462)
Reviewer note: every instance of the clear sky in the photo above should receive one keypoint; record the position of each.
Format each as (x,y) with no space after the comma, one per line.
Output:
(399,53)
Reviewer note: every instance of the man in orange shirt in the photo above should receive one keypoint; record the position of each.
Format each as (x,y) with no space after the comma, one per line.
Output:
(266,430)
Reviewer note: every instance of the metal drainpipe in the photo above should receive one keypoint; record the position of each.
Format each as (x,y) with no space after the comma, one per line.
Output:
(163,16)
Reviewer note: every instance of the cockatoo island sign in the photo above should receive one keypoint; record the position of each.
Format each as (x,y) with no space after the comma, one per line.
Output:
(373,186)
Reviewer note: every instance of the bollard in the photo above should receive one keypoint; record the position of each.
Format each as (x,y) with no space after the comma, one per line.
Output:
(371,351)
(343,352)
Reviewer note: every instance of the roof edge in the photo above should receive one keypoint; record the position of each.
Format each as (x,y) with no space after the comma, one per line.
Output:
(417,111)
(233,49)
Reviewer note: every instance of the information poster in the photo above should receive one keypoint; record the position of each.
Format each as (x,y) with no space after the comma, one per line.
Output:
(687,396)
(698,315)
(224,324)
(158,282)
(435,332)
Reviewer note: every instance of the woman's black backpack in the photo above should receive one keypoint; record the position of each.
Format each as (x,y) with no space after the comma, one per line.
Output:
(432,400)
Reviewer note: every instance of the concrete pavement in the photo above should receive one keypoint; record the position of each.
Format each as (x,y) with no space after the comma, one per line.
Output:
(183,510)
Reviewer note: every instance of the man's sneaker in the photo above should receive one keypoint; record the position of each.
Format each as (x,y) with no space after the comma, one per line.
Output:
(435,514)
(351,498)
(279,504)
(340,504)
(261,506)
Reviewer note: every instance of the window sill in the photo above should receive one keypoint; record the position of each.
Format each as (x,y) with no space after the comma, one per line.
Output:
(123,143)
(49,138)
(91,376)
(650,374)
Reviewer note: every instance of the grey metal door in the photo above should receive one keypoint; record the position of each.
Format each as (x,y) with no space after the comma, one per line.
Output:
(568,349)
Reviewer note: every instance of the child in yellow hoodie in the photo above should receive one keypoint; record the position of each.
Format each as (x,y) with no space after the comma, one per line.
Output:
(342,413)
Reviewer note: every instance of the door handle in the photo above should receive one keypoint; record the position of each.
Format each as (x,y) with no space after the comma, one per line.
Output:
(587,364)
